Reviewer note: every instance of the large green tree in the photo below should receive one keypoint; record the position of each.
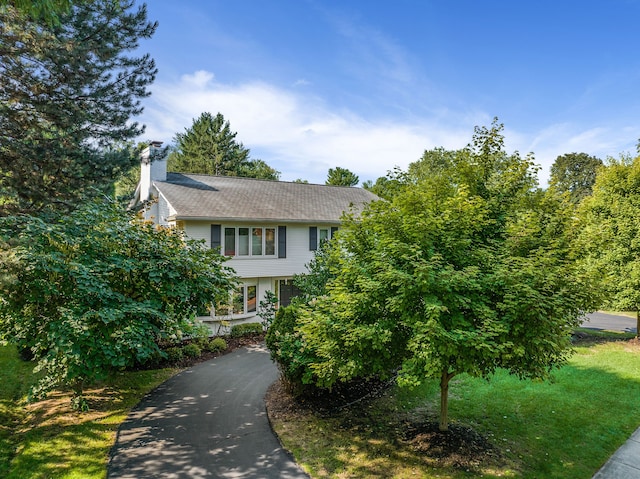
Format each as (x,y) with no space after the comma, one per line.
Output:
(575,174)
(608,240)
(465,269)
(209,147)
(68,92)
(99,289)
(47,10)
(339,176)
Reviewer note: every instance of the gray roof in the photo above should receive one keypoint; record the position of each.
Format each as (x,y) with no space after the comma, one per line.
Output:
(233,198)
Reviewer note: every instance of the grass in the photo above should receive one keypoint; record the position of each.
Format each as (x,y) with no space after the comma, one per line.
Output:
(562,429)
(628,314)
(47,439)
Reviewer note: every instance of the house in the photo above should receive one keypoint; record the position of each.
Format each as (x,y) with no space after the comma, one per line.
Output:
(269,229)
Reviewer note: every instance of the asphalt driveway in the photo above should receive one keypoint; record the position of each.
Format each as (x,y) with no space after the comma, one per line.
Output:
(611,322)
(207,422)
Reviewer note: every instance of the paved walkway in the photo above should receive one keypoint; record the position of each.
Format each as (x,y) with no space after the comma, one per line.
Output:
(625,463)
(207,422)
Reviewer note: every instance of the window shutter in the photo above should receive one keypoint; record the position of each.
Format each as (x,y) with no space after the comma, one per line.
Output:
(216,236)
(313,238)
(282,241)
(333,230)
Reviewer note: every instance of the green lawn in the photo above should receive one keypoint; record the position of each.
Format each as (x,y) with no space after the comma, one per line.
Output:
(565,429)
(562,429)
(48,440)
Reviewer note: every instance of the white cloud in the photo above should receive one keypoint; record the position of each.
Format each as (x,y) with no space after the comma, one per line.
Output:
(302,136)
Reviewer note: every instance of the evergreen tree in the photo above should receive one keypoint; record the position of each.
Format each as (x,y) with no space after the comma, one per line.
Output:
(341,177)
(209,147)
(67,94)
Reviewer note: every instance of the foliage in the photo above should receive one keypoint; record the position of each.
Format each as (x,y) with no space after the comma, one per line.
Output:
(174,354)
(217,345)
(209,147)
(267,308)
(46,10)
(339,176)
(320,270)
(386,186)
(287,347)
(47,439)
(192,350)
(97,290)
(608,232)
(566,429)
(245,329)
(258,169)
(67,96)
(575,174)
(465,270)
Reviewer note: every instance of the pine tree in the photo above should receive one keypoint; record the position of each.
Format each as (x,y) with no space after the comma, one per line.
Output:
(209,147)
(339,176)
(68,91)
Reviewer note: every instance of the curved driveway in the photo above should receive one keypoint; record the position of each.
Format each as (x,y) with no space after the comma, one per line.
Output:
(207,422)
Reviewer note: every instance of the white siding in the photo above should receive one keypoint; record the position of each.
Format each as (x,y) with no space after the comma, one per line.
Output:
(198,230)
(298,254)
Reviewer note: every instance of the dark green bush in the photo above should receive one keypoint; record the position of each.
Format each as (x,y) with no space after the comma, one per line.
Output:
(245,329)
(192,350)
(174,354)
(217,345)
(287,348)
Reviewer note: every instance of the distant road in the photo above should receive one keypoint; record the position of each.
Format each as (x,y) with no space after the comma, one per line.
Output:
(611,322)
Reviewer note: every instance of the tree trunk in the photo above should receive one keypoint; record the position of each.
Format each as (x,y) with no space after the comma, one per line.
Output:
(444,399)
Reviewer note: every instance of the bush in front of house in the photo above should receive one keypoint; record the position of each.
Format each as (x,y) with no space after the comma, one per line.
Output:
(217,345)
(174,354)
(246,329)
(286,345)
(192,350)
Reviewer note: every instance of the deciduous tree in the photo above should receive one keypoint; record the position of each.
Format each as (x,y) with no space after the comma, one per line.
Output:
(97,290)
(609,232)
(575,173)
(68,92)
(465,269)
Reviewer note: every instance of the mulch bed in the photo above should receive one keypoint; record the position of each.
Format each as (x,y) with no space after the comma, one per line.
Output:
(460,447)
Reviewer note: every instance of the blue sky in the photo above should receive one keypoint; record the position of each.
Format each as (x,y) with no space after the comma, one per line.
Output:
(369,85)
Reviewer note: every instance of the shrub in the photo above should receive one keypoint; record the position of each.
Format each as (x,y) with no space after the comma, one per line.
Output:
(245,329)
(287,348)
(174,354)
(217,345)
(192,350)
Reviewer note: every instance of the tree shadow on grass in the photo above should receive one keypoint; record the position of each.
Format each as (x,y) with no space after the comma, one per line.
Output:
(566,428)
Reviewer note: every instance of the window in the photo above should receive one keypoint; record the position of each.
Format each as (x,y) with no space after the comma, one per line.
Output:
(318,235)
(247,241)
(229,241)
(285,291)
(241,301)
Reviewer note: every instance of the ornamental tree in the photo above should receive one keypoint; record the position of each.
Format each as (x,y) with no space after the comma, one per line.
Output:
(68,92)
(98,290)
(465,269)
